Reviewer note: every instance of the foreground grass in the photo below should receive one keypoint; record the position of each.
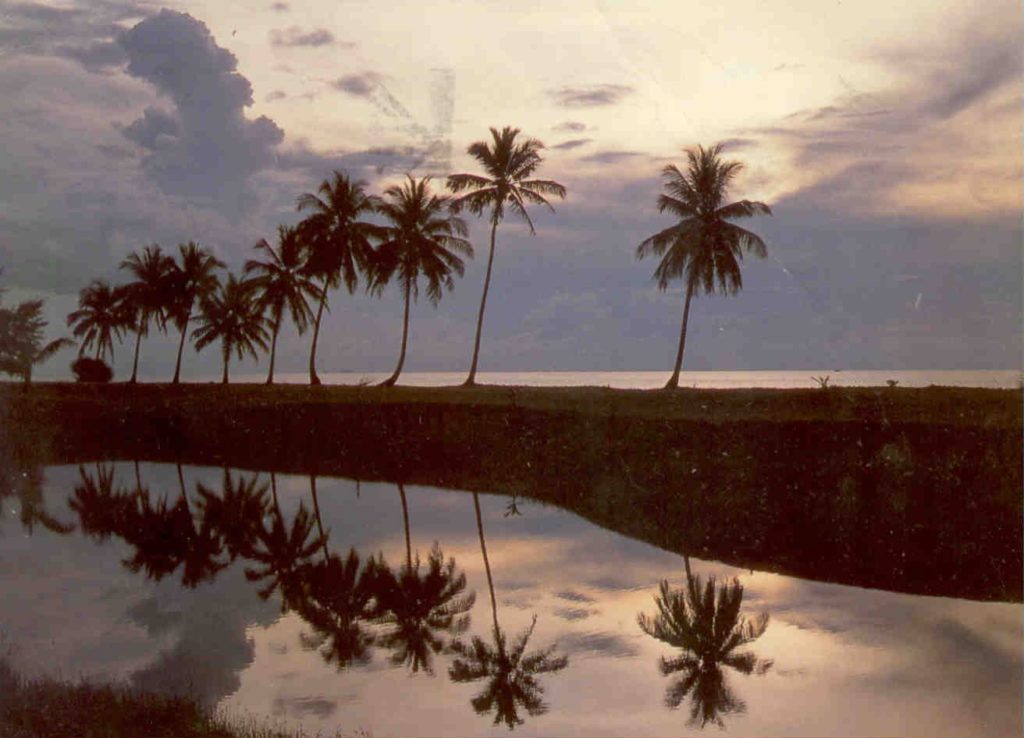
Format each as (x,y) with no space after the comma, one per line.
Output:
(47,708)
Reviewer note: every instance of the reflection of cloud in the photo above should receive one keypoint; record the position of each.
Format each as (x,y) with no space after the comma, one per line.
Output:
(590,96)
(574,613)
(303,706)
(600,644)
(573,596)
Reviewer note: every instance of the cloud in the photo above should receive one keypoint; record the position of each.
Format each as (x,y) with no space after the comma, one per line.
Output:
(590,96)
(300,707)
(573,596)
(573,613)
(211,149)
(598,644)
(99,56)
(572,144)
(280,7)
(275,95)
(570,125)
(611,157)
(359,85)
(295,36)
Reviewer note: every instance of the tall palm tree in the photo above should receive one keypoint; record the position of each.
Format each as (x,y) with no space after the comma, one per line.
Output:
(21,339)
(282,285)
(99,318)
(193,277)
(508,165)
(148,296)
(421,240)
(233,316)
(510,672)
(338,239)
(708,631)
(703,248)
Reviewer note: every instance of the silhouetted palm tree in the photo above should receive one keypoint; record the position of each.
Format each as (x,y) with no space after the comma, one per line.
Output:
(284,555)
(232,316)
(21,339)
(703,248)
(707,631)
(338,239)
(148,296)
(282,286)
(420,240)
(510,672)
(236,514)
(507,164)
(99,319)
(192,278)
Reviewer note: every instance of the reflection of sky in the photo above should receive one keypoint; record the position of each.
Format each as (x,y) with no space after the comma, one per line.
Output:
(846,660)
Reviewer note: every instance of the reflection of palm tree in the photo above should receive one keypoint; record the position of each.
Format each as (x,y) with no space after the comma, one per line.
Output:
(708,631)
(27,484)
(283,554)
(102,510)
(236,514)
(510,671)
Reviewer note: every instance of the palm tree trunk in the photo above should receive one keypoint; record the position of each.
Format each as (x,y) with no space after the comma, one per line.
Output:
(181,347)
(313,378)
(138,477)
(487,564)
(390,381)
(405,518)
(227,357)
(273,349)
(181,487)
(673,381)
(471,379)
(316,512)
(135,361)
(273,488)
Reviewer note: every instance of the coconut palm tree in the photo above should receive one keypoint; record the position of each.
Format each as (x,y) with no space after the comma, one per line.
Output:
(708,631)
(232,316)
(236,514)
(148,296)
(511,673)
(338,239)
(21,339)
(282,285)
(284,555)
(100,318)
(508,165)
(193,277)
(421,240)
(703,248)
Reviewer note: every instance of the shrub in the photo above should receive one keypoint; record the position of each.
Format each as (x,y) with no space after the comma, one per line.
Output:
(91,370)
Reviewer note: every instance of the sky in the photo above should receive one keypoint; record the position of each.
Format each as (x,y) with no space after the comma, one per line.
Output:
(886,137)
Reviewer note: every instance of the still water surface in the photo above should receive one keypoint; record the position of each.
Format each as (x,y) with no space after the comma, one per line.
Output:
(163,590)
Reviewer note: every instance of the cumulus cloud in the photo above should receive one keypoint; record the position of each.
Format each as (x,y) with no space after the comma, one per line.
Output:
(206,149)
(590,96)
(295,36)
(99,56)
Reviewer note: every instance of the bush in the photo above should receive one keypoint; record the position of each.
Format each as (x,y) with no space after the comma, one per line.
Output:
(91,370)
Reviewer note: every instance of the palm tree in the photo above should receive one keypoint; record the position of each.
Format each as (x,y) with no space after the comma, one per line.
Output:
(708,631)
(233,316)
(21,339)
(339,241)
(194,278)
(236,514)
(508,164)
(282,285)
(99,319)
(420,240)
(511,672)
(703,248)
(148,296)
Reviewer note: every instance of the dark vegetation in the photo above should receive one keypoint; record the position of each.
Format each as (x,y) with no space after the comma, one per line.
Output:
(86,369)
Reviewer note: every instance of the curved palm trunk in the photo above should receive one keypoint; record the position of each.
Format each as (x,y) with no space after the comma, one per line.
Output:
(227,357)
(181,487)
(313,378)
(273,489)
(487,564)
(405,519)
(135,361)
(138,477)
(673,381)
(273,349)
(316,512)
(390,381)
(181,347)
(471,379)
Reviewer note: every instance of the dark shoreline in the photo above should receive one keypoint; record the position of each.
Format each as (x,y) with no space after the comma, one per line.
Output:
(913,490)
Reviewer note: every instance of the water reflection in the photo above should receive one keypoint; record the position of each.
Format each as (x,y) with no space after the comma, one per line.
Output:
(708,631)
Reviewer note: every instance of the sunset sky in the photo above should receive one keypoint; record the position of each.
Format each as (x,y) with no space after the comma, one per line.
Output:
(886,137)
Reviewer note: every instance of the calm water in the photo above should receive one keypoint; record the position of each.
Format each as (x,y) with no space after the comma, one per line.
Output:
(143,588)
(652,380)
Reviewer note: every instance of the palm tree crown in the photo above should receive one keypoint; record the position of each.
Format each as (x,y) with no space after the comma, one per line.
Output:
(99,319)
(21,339)
(421,240)
(233,316)
(703,248)
(338,239)
(148,296)
(192,278)
(508,165)
(281,284)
